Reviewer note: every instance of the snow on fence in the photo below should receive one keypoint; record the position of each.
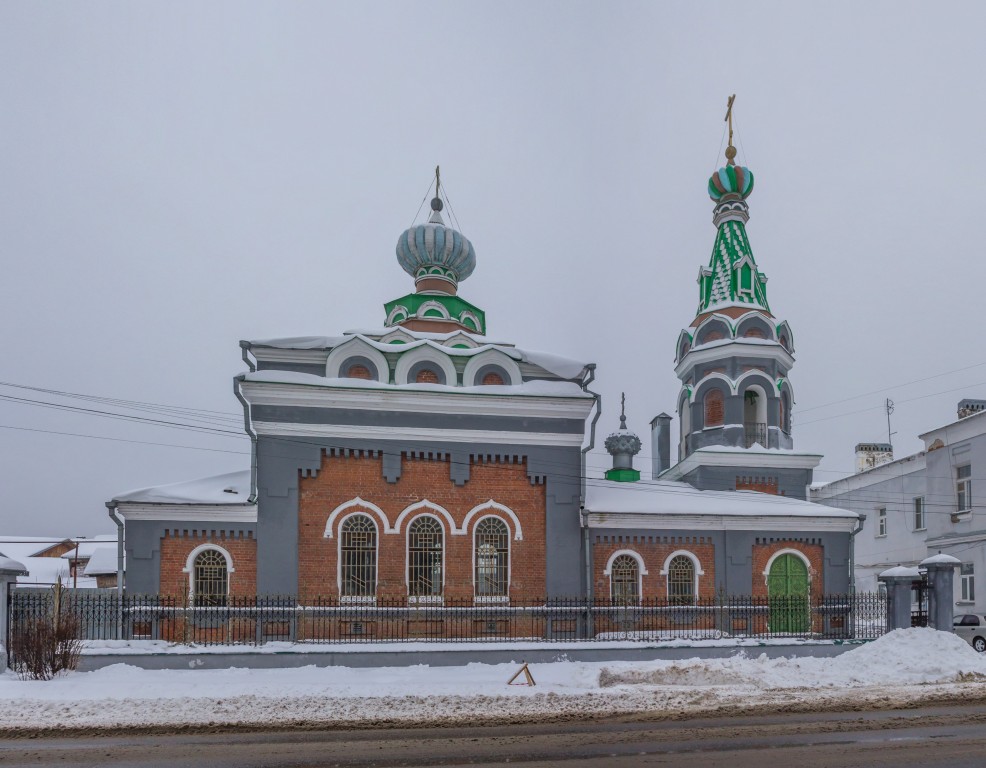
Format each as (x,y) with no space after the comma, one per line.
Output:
(256,620)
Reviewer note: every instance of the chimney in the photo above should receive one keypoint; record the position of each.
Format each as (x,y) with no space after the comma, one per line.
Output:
(970,407)
(869,455)
(660,444)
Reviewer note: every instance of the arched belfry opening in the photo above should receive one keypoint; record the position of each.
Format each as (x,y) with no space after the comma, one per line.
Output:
(755,416)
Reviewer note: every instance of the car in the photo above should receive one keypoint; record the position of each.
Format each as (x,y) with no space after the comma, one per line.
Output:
(971,627)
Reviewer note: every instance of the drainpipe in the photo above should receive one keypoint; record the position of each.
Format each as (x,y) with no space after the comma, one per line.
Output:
(583,514)
(598,405)
(248,426)
(852,555)
(245,346)
(114,516)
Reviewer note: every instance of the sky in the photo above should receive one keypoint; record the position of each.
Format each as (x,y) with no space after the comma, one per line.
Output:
(175,177)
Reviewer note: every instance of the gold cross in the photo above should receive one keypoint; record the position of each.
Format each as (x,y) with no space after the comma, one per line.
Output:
(730,150)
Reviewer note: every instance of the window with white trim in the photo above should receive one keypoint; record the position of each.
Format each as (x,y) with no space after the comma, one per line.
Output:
(963,488)
(881,521)
(424,558)
(210,578)
(492,541)
(624,580)
(681,580)
(358,557)
(919,521)
(968,577)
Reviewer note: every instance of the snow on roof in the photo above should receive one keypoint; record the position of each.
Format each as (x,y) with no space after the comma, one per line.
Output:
(45,571)
(21,547)
(9,565)
(666,497)
(537,388)
(88,545)
(102,562)
(206,490)
(562,367)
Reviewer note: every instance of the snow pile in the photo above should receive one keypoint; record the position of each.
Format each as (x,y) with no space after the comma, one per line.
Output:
(883,673)
(902,657)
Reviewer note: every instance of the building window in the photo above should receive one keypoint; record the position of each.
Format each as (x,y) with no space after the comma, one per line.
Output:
(424,558)
(492,378)
(492,558)
(427,376)
(210,579)
(919,521)
(681,580)
(624,580)
(358,557)
(963,488)
(968,583)
(359,371)
(881,520)
(715,409)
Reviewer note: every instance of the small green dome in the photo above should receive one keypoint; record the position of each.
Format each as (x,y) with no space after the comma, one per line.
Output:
(731,180)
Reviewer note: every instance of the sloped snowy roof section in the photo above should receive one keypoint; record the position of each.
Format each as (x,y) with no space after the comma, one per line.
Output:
(675,498)
(230,488)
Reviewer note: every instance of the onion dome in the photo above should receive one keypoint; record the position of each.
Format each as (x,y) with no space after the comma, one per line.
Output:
(623,445)
(434,252)
(731,180)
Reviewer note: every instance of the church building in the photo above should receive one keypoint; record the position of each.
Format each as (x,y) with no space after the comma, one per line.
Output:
(425,463)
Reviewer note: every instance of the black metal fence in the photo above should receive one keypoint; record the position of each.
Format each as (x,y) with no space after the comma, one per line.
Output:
(257,620)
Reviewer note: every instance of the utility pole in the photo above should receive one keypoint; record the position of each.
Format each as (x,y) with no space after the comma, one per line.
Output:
(889,405)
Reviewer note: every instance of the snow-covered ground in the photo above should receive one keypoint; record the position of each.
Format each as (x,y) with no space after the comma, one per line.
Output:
(905,665)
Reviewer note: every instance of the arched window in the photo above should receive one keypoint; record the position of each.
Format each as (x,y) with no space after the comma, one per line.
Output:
(624,580)
(427,376)
(358,557)
(424,558)
(754,333)
(492,378)
(681,580)
(715,408)
(358,371)
(492,558)
(210,578)
(783,341)
(712,336)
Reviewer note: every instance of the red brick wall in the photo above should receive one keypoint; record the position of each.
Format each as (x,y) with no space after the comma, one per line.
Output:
(754,483)
(715,408)
(763,551)
(177,545)
(342,479)
(654,550)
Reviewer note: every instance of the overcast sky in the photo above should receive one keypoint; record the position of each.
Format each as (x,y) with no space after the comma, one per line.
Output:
(177,177)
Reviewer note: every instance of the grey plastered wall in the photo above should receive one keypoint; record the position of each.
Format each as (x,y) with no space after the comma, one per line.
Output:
(143,548)
(734,553)
(790,482)
(283,461)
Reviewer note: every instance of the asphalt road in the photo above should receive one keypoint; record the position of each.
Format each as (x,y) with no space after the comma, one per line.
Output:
(952,736)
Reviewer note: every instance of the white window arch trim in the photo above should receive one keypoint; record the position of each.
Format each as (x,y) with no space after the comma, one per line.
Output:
(368,599)
(788,551)
(433,305)
(437,511)
(423,599)
(697,568)
(190,566)
(491,357)
(397,314)
(354,504)
(490,506)
(701,388)
(356,347)
(641,570)
(510,553)
(426,353)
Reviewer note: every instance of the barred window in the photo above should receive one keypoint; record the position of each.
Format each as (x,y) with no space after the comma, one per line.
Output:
(681,580)
(424,558)
(624,580)
(358,557)
(210,578)
(492,557)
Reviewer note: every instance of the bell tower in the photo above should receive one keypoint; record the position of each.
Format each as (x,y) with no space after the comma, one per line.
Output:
(735,357)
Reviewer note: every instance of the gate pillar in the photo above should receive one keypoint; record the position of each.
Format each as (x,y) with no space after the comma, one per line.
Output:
(9,571)
(941,573)
(898,581)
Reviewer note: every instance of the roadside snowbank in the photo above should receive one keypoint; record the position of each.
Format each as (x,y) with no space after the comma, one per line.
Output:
(120,696)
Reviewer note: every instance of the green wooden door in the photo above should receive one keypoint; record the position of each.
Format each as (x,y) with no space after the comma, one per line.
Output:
(787,593)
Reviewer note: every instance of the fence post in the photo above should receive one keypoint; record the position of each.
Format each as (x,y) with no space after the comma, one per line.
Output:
(898,581)
(9,571)
(941,572)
